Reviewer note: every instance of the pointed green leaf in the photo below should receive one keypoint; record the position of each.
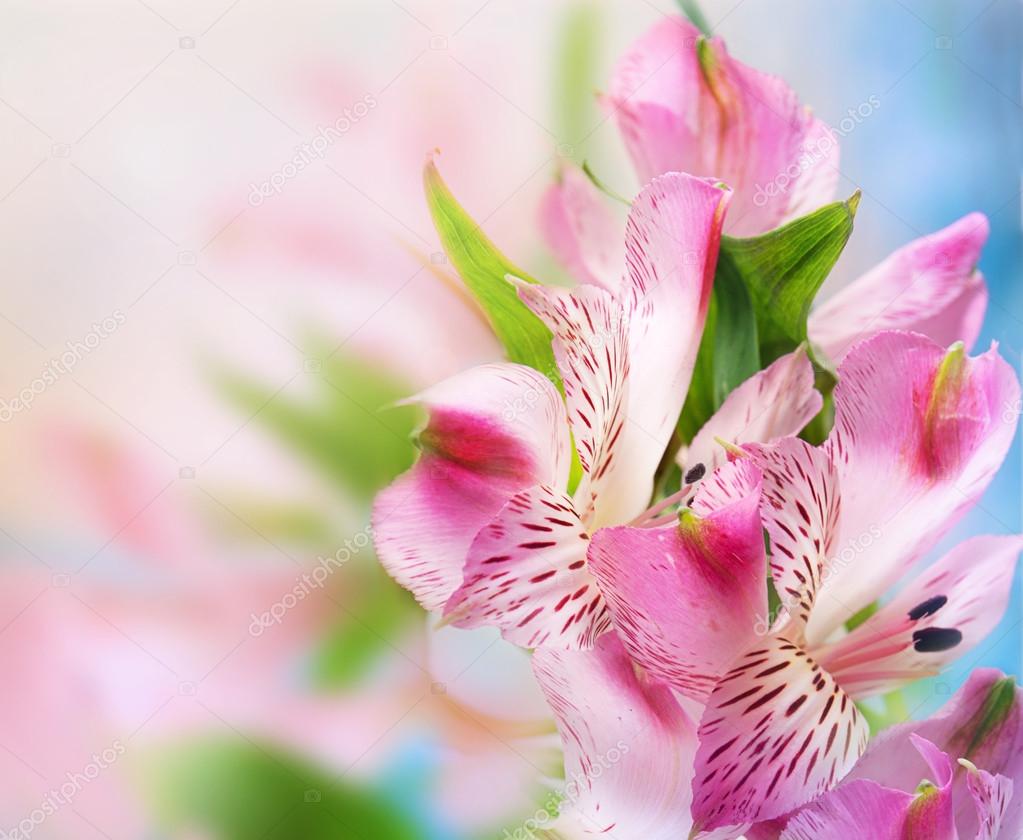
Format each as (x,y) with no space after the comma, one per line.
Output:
(729,352)
(763,289)
(784,268)
(484,269)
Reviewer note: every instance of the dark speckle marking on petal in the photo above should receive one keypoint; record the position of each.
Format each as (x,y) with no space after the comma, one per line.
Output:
(936,639)
(928,607)
(695,474)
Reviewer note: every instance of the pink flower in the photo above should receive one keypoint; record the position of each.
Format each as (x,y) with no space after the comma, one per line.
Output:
(954,776)
(919,432)
(683,104)
(483,525)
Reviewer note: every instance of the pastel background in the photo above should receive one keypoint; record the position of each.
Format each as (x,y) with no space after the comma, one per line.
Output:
(206,455)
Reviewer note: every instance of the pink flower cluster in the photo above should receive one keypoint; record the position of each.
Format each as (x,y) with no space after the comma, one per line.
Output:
(537,511)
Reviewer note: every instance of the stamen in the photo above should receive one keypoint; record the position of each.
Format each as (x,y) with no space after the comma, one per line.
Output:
(936,639)
(696,473)
(928,607)
(664,504)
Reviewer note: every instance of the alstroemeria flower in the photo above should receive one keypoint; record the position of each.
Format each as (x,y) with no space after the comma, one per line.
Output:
(483,524)
(682,103)
(919,432)
(976,798)
(867,809)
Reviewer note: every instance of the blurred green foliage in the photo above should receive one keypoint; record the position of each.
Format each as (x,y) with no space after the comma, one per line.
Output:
(576,73)
(350,431)
(238,790)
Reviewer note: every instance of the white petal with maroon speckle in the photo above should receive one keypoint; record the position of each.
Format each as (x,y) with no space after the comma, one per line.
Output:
(672,238)
(801,513)
(527,574)
(591,348)
(778,401)
(492,431)
(776,732)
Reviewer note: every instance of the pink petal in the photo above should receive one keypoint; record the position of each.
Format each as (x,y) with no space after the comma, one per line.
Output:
(492,431)
(777,732)
(582,231)
(628,744)
(919,432)
(591,349)
(866,809)
(991,797)
(801,513)
(684,597)
(930,286)
(941,615)
(672,238)
(723,120)
(776,402)
(931,814)
(857,809)
(526,573)
(983,723)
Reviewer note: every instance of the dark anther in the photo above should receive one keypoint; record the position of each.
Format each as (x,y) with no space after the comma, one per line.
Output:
(928,607)
(936,639)
(695,474)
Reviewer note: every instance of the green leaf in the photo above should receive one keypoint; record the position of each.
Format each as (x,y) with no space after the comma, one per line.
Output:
(784,268)
(729,352)
(234,790)
(999,702)
(483,269)
(818,429)
(347,429)
(763,289)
